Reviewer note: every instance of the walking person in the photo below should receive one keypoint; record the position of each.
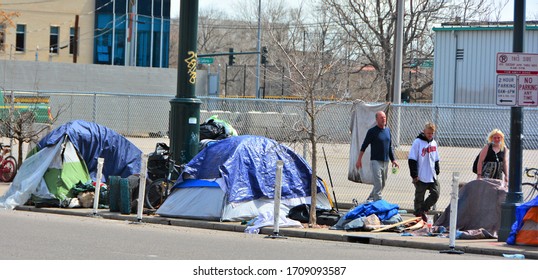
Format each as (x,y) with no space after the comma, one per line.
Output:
(379,140)
(493,158)
(424,168)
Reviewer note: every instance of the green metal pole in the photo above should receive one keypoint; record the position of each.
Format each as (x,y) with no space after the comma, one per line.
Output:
(514,197)
(185,107)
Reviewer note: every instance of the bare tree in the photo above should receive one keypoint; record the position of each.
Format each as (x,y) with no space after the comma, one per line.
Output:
(212,30)
(26,122)
(6,20)
(371,25)
(474,10)
(214,34)
(313,70)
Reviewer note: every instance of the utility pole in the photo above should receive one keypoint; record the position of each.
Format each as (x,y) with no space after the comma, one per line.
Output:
(398,52)
(514,197)
(258,44)
(185,107)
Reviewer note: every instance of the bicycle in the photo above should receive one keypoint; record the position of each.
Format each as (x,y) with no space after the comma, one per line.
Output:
(163,172)
(8,164)
(530,189)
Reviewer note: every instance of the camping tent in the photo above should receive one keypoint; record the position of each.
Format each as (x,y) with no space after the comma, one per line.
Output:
(92,141)
(479,209)
(525,228)
(68,155)
(234,178)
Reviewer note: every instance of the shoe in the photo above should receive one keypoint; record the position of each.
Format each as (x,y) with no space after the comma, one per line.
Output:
(424,217)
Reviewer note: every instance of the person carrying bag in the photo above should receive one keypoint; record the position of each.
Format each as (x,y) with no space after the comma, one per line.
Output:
(492,161)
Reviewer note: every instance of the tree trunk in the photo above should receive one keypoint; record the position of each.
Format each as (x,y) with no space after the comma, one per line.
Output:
(314,178)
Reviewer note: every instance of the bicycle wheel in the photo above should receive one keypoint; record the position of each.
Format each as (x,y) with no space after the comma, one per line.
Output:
(8,169)
(156,193)
(529,191)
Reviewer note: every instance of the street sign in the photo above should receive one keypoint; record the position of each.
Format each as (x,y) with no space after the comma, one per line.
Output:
(518,83)
(427,64)
(205,60)
(506,90)
(517,63)
(527,89)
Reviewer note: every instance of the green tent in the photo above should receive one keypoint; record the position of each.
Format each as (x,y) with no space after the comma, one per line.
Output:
(65,170)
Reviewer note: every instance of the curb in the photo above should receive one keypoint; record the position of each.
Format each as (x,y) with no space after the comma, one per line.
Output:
(477,246)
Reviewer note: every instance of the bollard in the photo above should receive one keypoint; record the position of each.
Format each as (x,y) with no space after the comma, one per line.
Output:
(453,215)
(278,193)
(142,187)
(100,162)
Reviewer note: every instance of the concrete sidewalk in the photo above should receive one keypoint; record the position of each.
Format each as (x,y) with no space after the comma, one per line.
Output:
(477,246)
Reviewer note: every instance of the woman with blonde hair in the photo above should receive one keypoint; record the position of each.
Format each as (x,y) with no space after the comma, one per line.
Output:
(493,159)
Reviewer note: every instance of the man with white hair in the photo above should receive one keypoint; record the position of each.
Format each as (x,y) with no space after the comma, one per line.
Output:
(379,140)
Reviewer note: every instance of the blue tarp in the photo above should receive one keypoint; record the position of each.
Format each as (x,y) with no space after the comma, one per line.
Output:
(381,208)
(521,211)
(92,141)
(247,164)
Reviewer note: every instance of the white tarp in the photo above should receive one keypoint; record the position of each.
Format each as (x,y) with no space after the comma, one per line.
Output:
(29,178)
(362,119)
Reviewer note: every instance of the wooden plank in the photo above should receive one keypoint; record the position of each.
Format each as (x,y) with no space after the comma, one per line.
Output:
(415,219)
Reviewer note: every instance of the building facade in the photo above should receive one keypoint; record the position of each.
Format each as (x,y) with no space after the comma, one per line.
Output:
(465,60)
(111,32)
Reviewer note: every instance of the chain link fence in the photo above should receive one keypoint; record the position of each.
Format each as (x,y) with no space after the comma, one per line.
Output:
(462,131)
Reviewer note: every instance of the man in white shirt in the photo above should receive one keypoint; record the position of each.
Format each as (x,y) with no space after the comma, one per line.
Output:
(424,168)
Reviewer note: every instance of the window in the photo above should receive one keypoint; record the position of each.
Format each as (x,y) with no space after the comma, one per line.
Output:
(72,41)
(2,36)
(20,43)
(54,39)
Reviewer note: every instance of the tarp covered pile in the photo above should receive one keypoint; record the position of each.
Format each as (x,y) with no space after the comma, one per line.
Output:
(525,228)
(479,209)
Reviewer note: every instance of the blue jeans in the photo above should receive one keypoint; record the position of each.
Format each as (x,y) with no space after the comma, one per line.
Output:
(379,174)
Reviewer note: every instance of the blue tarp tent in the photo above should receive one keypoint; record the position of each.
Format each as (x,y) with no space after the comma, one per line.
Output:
(531,230)
(247,164)
(92,141)
(245,168)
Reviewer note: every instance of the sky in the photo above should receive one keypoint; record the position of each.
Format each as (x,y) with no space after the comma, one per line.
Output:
(508,12)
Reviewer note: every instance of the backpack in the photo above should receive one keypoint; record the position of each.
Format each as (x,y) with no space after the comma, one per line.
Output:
(475,164)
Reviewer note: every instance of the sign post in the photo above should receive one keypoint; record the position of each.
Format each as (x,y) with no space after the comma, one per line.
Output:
(514,197)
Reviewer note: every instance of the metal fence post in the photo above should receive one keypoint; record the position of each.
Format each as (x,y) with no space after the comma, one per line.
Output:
(94,112)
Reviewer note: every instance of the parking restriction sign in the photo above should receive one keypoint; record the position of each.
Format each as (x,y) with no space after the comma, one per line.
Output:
(517,79)
(506,90)
(527,88)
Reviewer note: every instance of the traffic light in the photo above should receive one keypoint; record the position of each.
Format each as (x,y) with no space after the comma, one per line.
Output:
(231,57)
(264,55)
